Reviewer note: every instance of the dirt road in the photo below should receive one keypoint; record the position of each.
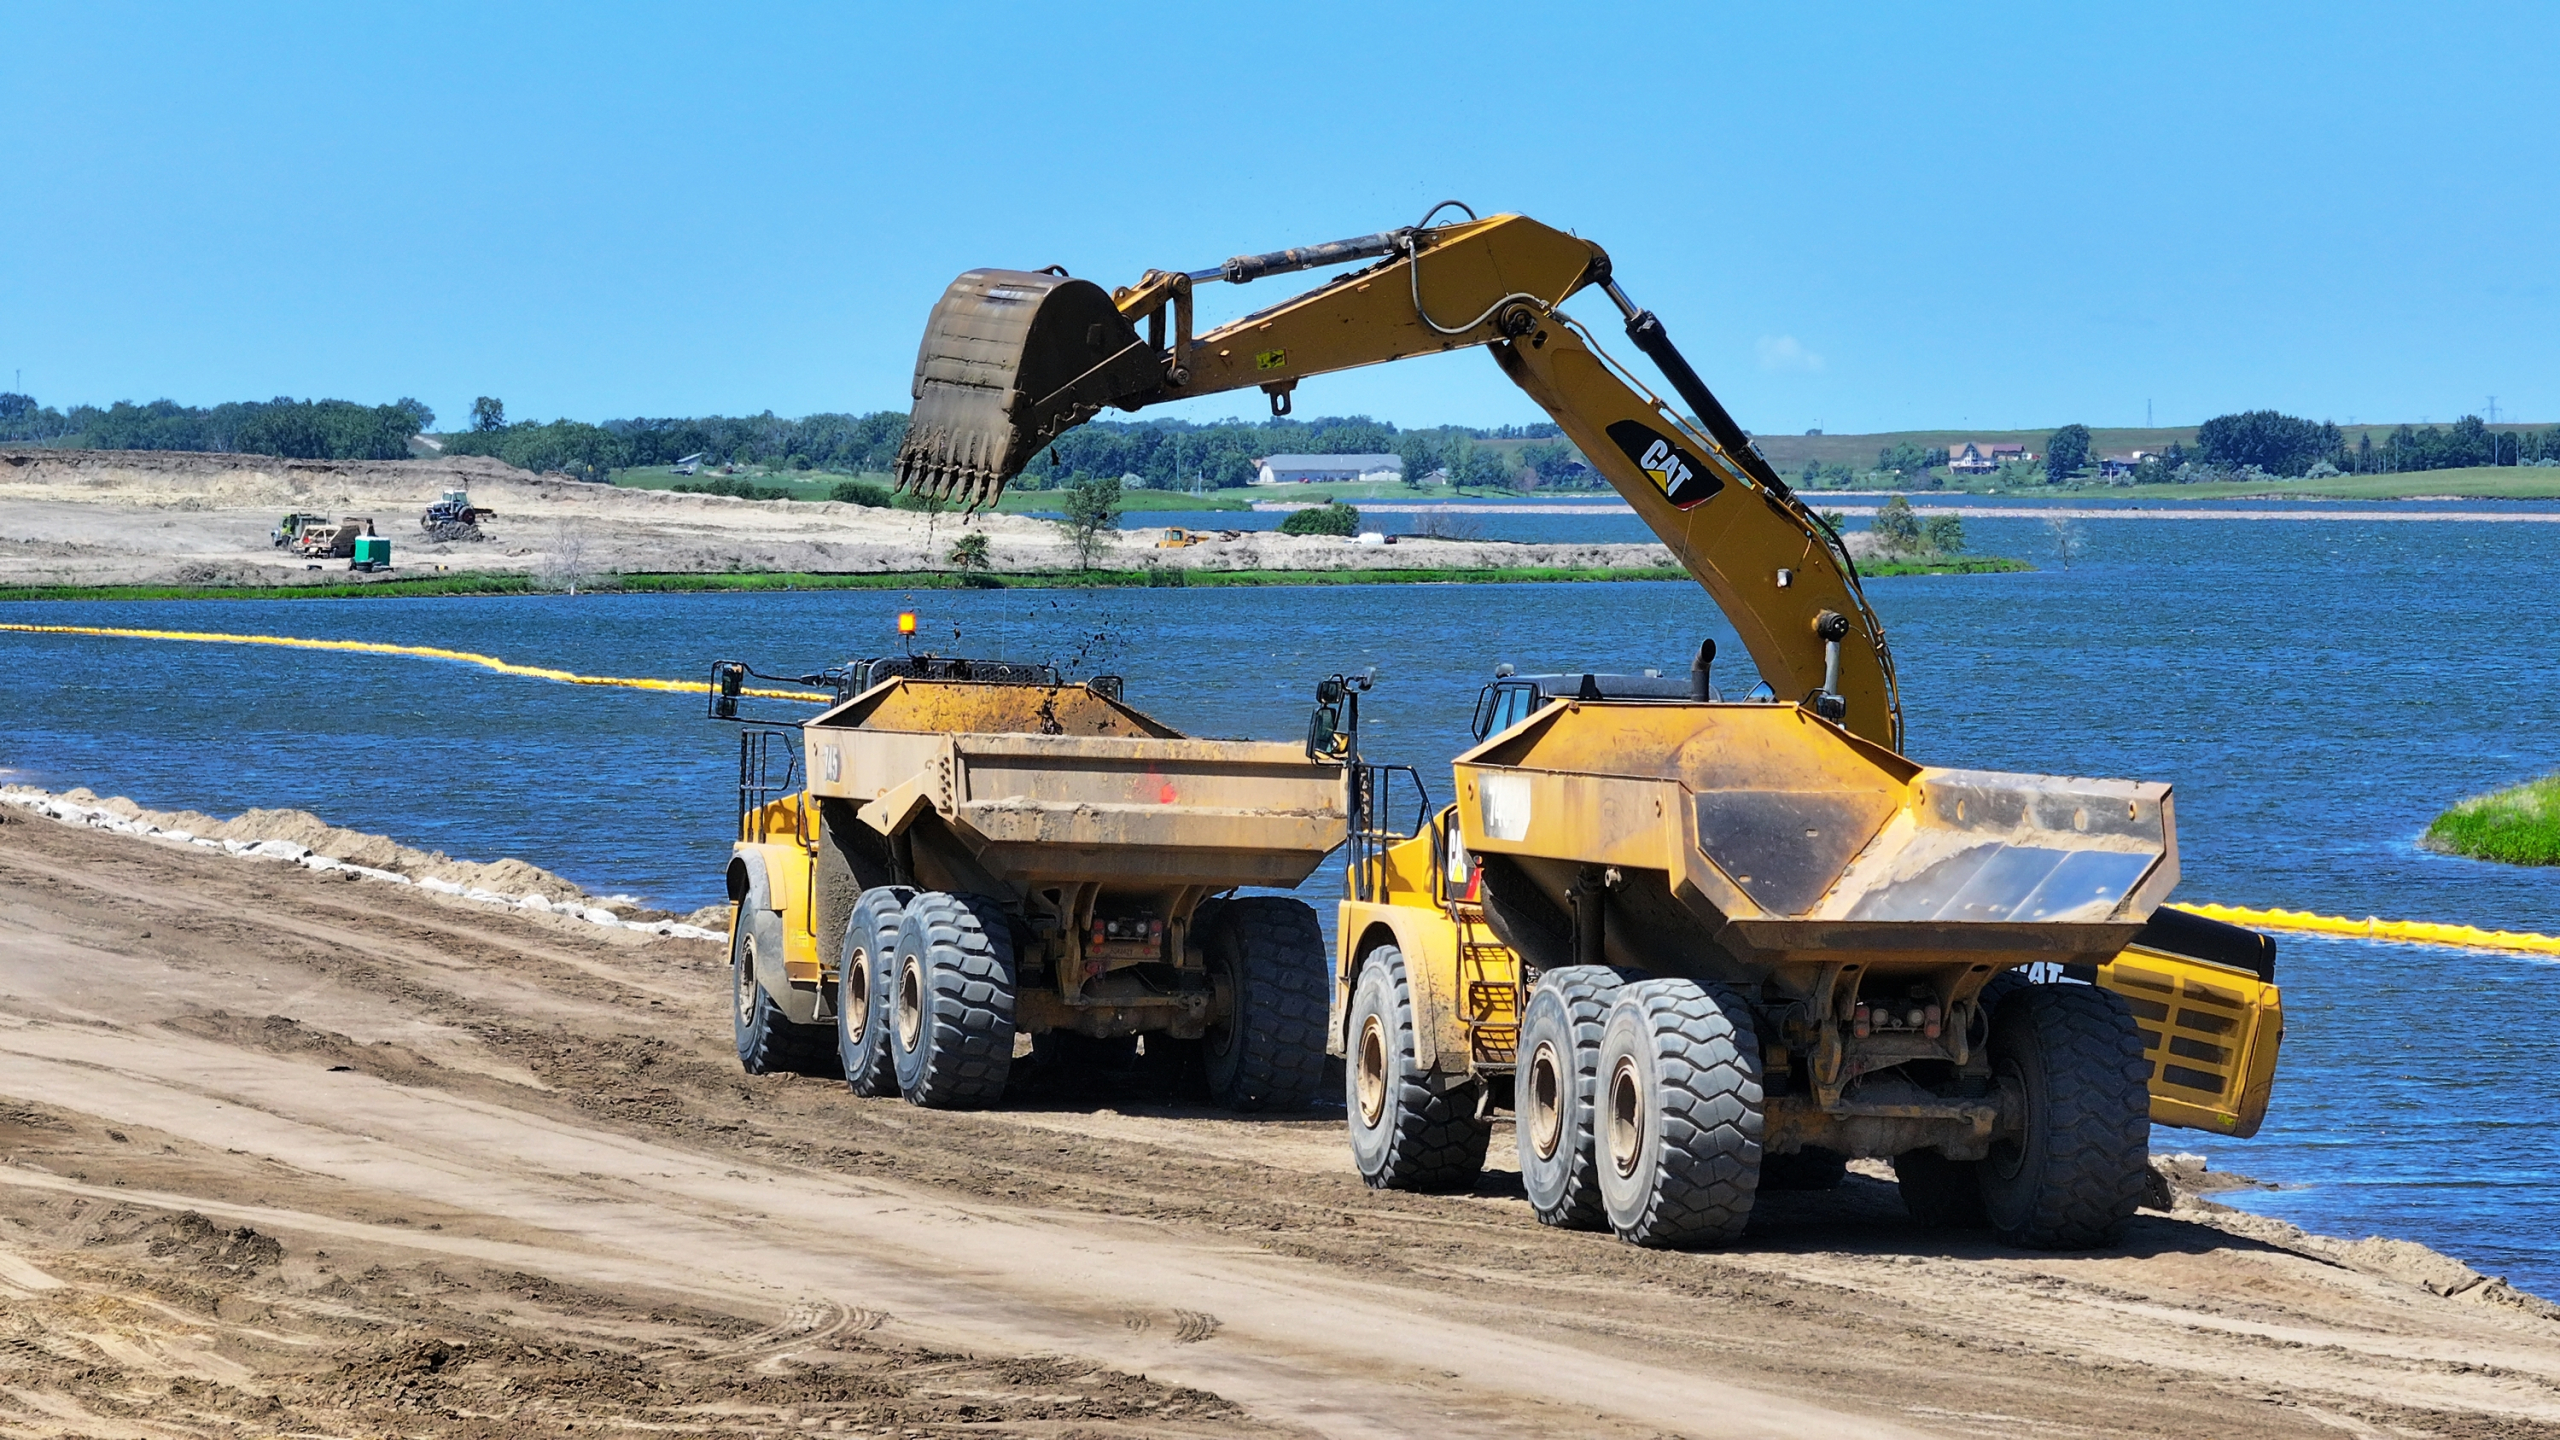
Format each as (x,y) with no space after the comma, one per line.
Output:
(287,1153)
(151,517)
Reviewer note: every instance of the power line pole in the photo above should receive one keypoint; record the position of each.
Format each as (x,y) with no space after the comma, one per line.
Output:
(2493,409)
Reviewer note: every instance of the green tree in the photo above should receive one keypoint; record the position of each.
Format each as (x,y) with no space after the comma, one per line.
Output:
(2066,452)
(1420,454)
(1333,519)
(860,492)
(969,552)
(488,413)
(1943,535)
(1897,527)
(2280,444)
(1091,506)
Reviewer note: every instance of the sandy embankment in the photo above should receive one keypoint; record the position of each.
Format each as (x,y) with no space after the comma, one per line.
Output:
(281,1153)
(151,517)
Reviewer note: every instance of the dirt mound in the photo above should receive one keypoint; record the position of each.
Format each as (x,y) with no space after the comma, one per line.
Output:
(193,480)
(189,1237)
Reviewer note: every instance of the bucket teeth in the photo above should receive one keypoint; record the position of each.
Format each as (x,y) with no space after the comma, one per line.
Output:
(1012,359)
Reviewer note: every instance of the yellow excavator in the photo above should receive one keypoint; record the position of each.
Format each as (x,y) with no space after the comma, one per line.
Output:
(1699,948)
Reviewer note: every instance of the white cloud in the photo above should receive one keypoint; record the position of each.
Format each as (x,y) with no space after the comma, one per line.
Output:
(1785,352)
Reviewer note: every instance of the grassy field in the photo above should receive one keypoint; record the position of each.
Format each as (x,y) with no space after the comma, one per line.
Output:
(1790,453)
(2502,482)
(2520,826)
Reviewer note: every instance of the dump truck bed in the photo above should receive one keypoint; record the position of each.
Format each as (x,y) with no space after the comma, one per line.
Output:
(1776,839)
(1050,784)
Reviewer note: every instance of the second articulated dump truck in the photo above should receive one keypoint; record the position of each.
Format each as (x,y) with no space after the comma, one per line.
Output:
(982,851)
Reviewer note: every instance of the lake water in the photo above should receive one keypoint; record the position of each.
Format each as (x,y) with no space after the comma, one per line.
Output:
(1587,518)
(2315,691)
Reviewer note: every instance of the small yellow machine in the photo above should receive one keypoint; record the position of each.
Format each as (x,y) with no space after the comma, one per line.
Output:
(980,850)
(1737,944)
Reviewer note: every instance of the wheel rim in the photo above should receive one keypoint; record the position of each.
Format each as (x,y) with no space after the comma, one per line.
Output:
(1546,1102)
(857,987)
(1626,1116)
(1372,1073)
(910,1004)
(742,981)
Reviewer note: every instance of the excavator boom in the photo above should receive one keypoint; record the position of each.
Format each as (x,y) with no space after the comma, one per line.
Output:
(1012,359)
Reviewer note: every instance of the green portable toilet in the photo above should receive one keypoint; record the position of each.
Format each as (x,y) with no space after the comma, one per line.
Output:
(373,552)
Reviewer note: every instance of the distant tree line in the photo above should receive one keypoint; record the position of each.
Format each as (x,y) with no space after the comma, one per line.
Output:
(1163,454)
(294,429)
(1166,454)
(2269,442)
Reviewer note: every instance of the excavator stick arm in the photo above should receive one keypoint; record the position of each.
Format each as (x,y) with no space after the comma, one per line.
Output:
(1013,359)
(1768,562)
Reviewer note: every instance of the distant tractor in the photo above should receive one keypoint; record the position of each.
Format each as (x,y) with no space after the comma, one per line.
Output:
(455,518)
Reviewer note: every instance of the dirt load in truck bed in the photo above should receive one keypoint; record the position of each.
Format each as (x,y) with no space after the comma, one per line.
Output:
(287,1152)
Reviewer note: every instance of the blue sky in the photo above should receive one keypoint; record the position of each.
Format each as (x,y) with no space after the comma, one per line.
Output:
(1861,217)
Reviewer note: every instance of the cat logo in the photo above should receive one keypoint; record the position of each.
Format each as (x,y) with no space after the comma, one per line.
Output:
(1679,475)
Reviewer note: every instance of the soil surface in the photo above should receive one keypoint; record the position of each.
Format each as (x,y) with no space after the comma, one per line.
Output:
(288,1153)
(118,517)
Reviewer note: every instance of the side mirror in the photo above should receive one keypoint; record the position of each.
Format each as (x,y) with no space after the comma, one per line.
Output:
(1324,732)
(728,677)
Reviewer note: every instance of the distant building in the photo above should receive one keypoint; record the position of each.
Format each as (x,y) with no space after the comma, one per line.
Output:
(1287,469)
(2119,467)
(1975,458)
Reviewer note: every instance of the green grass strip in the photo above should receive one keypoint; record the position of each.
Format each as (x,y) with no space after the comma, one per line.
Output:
(1158,577)
(2520,826)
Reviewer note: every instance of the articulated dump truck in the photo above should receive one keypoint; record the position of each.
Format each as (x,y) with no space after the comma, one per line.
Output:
(982,853)
(1703,949)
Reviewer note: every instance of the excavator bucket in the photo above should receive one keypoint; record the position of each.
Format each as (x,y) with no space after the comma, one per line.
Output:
(1011,360)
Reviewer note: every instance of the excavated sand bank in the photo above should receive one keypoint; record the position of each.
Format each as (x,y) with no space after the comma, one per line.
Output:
(95,517)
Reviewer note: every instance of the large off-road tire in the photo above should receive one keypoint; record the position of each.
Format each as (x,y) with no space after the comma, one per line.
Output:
(768,1042)
(951,1005)
(1410,1130)
(1678,1114)
(1267,1053)
(2078,1170)
(864,987)
(1556,1082)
